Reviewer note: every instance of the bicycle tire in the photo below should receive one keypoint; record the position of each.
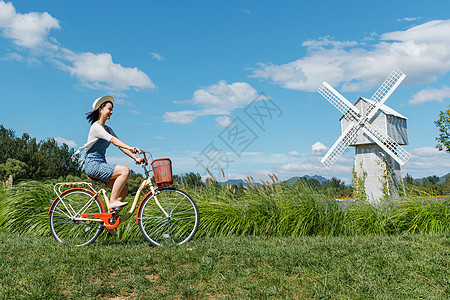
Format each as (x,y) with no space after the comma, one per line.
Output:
(68,231)
(178,227)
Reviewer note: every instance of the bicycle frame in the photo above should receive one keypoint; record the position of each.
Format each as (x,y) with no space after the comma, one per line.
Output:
(105,217)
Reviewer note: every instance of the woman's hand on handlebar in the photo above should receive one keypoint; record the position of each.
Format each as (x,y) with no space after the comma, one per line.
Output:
(139,160)
(135,150)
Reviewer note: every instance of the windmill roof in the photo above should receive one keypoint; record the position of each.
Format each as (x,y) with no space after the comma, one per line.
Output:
(386,109)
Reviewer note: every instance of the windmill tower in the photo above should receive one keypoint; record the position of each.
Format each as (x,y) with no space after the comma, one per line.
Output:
(376,131)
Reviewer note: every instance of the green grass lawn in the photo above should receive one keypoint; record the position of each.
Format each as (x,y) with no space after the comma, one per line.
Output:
(355,267)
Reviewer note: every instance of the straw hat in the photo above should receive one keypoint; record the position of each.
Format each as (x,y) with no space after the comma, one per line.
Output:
(101,100)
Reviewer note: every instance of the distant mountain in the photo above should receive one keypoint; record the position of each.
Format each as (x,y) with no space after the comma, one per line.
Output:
(319,178)
(292,180)
(441,179)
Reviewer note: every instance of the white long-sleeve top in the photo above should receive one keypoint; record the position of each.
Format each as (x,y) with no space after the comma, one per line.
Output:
(96,132)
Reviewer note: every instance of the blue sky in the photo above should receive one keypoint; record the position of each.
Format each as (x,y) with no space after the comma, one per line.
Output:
(182,72)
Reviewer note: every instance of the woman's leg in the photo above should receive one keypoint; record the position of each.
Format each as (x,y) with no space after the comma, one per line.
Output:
(117,183)
(122,194)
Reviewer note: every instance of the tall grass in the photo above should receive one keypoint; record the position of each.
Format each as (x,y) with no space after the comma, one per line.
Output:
(24,207)
(276,209)
(283,210)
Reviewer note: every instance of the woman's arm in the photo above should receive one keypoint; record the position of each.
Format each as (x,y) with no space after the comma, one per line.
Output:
(126,149)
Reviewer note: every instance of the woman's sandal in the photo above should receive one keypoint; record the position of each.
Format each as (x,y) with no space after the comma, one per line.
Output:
(117,204)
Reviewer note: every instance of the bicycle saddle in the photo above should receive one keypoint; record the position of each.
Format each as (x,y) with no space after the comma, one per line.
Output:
(94,179)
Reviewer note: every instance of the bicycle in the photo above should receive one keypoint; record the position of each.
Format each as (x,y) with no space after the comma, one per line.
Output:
(165,215)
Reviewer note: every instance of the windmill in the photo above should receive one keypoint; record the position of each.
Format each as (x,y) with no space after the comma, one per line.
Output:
(376,131)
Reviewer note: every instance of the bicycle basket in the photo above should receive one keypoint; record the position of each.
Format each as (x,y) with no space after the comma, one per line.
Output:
(162,169)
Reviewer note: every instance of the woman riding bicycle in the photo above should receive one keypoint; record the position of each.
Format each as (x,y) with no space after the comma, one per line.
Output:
(99,138)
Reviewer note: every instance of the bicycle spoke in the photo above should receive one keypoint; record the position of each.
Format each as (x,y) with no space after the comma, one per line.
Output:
(60,212)
(76,232)
(181,200)
(192,217)
(160,230)
(182,211)
(71,213)
(179,230)
(86,206)
(181,224)
(153,218)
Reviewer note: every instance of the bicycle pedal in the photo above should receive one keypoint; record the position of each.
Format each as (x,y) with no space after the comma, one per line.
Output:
(111,232)
(115,209)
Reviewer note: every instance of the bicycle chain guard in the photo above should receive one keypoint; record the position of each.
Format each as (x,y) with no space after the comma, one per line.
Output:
(105,218)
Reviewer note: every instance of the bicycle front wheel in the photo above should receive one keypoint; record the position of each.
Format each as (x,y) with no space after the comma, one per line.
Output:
(66,224)
(175,223)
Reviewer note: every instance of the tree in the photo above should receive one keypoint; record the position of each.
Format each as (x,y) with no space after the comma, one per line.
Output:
(44,159)
(409,179)
(336,183)
(432,180)
(17,169)
(443,124)
(192,180)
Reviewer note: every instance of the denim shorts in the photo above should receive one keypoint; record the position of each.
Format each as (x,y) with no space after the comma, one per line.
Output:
(99,170)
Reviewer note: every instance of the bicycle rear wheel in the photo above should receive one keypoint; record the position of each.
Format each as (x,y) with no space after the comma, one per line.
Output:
(65,229)
(178,227)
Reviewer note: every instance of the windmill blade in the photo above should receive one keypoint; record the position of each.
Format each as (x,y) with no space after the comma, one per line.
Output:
(346,138)
(339,101)
(387,144)
(384,91)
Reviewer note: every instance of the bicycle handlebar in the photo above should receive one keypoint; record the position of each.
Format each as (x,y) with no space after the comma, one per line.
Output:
(142,152)
(145,157)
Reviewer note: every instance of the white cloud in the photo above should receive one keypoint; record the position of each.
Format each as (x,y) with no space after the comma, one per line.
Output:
(135,112)
(406,19)
(14,56)
(223,121)
(62,140)
(156,56)
(431,32)
(216,99)
(222,98)
(427,161)
(294,153)
(311,165)
(422,52)
(327,41)
(319,147)
(180,117)
(26,30)
(427,152)
(429,94)
(96,71)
